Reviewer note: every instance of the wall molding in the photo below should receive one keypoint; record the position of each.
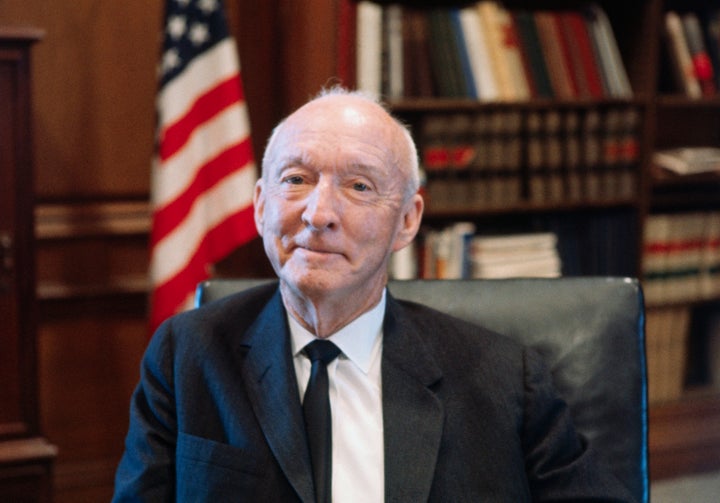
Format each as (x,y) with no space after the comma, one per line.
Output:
(92,219)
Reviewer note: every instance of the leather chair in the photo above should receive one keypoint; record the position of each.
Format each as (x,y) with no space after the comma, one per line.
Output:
(590,331)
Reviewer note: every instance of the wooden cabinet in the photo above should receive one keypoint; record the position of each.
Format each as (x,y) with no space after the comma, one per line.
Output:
(25,457)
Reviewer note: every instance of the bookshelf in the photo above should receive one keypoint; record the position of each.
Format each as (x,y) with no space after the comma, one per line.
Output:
(684,420)
(601,231)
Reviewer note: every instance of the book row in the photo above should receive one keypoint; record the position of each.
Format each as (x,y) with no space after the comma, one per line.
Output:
(585,244)
(692,42)
(456,252)
(683,350)
(667,333)
(483,50)
(498,158)
(681,257)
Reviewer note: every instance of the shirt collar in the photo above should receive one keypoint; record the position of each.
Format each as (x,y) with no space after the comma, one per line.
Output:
(358,340)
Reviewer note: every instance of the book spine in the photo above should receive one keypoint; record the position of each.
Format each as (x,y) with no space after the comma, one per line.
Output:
(549,35)
(582,54)
(393,30)
(475,41)
(711,23)
(347,42)
(607,52)
(532,51)
(467,79)
(698,53)
(491,27)
(681,61)
(511,53)
(416,59)
(369,47)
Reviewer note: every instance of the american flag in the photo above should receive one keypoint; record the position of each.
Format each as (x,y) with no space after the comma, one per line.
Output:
(203,172)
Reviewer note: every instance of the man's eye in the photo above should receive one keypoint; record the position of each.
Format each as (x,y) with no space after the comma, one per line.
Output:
(360,187)
(293,180)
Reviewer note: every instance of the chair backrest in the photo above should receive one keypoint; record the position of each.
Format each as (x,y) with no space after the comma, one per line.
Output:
(590,331)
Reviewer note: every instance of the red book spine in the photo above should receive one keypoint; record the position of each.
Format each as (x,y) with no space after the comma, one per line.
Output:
(581,39)
(346,42)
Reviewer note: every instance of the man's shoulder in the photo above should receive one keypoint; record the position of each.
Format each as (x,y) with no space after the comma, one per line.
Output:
(238,304)
(234,313)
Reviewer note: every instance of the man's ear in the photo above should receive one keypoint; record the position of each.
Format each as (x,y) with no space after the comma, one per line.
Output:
(411,218)
(259,205)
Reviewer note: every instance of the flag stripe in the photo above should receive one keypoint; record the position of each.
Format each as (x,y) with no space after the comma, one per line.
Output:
(172,177)
(172,214)
(233,194)
(173,292)
(205,107)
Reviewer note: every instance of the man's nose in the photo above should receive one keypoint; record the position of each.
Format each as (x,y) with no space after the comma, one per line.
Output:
(322,209)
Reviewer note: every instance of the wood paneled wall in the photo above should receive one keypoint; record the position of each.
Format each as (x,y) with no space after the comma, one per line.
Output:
(93,116)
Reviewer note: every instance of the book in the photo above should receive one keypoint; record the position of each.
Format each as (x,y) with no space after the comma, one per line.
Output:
(667,333)
(701,62)
(515,255)
(369,47)
(480,174)
(710,258)
(492,28)
(628,153)
(394,80)
(553,146)
(711,29)
(444,56)
(688,160)
(347,42)
(535,157)
(404,263)
(510,52)
(591,153)
(460,45)
(417,72)
(462,153)
(538,73)
(445,252)
(572,155)
(511,187)
(612,123)
(582,56)
(607,52)
(552,48)
(656,234)
(680,256)
(680,58)
(435,158)
(477,49)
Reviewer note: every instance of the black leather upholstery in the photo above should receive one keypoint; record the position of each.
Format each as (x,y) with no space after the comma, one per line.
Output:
(590,330)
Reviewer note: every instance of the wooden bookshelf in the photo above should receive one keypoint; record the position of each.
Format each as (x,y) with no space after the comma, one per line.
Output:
(684,433)
(667,119)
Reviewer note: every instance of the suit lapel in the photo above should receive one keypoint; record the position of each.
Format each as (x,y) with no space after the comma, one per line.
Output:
(412,414)
(269,377)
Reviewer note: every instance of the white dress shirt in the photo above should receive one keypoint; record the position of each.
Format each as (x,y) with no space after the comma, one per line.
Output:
(358,462)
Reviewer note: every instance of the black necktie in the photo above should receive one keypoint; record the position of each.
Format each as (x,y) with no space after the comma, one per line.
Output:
(316,409)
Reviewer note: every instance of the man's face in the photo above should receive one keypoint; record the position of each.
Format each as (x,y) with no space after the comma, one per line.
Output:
(330,206)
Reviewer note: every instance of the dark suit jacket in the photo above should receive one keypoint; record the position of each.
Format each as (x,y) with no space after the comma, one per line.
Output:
(468,415)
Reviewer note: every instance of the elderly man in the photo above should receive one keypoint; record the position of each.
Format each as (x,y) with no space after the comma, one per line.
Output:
(323,387)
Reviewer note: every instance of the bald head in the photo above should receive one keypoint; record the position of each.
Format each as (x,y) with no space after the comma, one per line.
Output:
(336,111)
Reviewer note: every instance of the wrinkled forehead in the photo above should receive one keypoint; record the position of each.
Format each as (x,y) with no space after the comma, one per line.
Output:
(341,123)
